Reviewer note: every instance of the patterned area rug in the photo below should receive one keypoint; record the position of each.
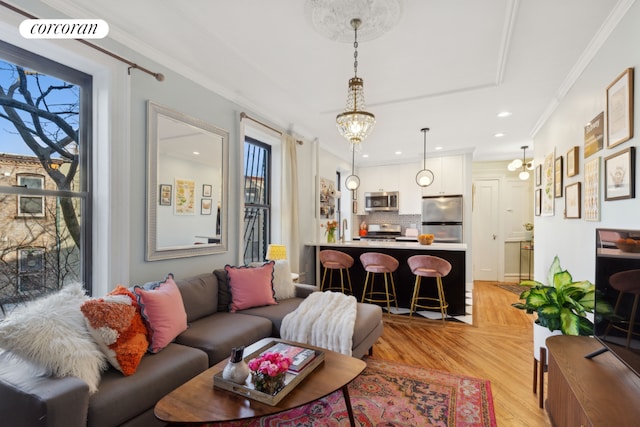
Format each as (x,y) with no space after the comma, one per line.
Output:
(391,394)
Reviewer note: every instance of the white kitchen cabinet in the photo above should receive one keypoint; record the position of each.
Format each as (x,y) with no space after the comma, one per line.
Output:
(399,178)
(448,176)
(410,202)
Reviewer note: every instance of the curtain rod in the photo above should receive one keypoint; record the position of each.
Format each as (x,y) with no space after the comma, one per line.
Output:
(158,76)
(244,115)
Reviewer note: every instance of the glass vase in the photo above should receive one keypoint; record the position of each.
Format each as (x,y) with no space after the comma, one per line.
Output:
(268,384)
(331,236)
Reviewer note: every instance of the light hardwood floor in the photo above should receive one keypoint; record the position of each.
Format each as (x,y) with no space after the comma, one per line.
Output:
(498,347)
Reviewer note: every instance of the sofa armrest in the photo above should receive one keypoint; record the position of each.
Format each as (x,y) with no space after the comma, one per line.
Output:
(38,400)
(303,290)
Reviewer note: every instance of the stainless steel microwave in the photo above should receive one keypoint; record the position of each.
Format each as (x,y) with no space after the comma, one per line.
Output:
(381,201)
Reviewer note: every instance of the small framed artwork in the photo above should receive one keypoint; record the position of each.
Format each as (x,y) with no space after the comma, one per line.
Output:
(591,204)
(594,135)
(538,202)
(206,190)
(548,184)
(620,109)
(572,201)
(620,175)
(538,175)
(573,167)
(558,181)
(205,207)
(164,198)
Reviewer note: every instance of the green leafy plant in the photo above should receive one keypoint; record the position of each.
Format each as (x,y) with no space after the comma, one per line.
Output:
(562,304)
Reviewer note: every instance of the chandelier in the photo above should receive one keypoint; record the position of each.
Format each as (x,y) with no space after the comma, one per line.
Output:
(354,123)
(517,163)
(424,177)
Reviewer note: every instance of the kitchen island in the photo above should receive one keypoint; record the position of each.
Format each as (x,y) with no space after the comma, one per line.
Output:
(454,282)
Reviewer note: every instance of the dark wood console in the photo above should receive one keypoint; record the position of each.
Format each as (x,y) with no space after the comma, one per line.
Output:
(601,391)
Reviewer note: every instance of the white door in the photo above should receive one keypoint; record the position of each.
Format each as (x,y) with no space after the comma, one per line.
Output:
(485,226)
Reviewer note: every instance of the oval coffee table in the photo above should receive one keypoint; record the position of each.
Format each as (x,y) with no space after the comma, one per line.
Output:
(198,401)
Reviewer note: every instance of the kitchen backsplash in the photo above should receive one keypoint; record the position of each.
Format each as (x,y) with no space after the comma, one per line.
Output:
(406,221)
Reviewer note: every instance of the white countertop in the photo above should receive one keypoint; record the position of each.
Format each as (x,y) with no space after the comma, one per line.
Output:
(396,245)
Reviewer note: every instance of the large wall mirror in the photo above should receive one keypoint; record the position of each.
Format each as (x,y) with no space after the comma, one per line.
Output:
(187,181)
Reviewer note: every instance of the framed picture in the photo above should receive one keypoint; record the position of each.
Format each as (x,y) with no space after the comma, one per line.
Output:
(620,175)
(538,175)
(538,202)
(185,197)
(206,190)
(558,180)
(572,201)
(164,197)
(573,166)
(205,207)
(620,109)
(548,185)
(591,203)
(594,135)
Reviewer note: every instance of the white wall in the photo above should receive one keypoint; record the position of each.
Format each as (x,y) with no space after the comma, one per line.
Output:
(573,240)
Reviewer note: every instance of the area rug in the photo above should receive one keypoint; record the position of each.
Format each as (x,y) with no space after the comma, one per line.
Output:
(392,394)
(515,289)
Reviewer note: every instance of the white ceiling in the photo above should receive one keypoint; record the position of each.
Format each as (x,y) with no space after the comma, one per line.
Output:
(448,65)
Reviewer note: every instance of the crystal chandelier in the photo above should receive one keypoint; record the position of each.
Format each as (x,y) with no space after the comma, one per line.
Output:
(354,123)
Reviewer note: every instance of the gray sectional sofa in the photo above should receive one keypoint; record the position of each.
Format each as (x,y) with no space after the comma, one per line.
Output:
(28,400)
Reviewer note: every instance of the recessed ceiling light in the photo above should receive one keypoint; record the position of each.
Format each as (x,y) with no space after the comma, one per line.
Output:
(438,148)
(398,152)
(499,135)
(504,114)
(365,156)
(196,153)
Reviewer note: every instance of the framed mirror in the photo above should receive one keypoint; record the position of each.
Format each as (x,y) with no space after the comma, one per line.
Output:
(187,181)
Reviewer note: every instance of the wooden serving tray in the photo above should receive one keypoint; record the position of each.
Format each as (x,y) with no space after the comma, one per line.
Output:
(291,379)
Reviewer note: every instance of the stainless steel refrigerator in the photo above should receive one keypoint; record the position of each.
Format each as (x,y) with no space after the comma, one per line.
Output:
(442,217)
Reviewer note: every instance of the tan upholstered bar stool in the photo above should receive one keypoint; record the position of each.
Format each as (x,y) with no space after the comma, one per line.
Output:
(429,266)
(373,263)
(335,260)
(625,282)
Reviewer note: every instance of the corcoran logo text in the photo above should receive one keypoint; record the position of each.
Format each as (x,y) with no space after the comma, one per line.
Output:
(64,29)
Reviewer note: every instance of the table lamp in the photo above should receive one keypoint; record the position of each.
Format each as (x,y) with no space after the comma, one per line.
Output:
(276,252)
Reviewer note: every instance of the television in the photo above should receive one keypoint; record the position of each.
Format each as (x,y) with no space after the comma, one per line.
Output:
(613,256)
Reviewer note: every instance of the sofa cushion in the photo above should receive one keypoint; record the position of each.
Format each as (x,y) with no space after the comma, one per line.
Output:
(275,313)
(224,294)
(122,398)
(199,295)
(50,331)
(250,286)
(118,330)
(218,333)
(163,311)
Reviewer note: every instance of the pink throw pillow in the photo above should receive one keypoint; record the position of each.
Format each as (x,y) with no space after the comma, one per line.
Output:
(163,311)
(250,286)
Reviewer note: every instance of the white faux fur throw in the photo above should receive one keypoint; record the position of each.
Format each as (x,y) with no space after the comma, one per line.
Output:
(323,319)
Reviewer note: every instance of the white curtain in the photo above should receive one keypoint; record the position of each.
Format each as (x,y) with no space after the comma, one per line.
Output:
(290,219)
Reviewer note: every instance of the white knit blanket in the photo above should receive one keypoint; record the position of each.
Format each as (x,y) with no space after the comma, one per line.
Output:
(323,319)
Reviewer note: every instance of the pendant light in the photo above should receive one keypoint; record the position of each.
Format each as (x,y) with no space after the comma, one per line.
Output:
(354,123)
(517,163)
(352,182)
(424,178)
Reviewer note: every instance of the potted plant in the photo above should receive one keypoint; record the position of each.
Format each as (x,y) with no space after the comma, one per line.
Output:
(528,230)
(561,305)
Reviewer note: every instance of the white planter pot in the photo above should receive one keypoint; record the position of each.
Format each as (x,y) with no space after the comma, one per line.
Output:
(528,235)
(540,335)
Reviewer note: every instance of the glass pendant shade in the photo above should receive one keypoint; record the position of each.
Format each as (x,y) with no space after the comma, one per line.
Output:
(517,164)
(352,182)
(424,177)
(524,175)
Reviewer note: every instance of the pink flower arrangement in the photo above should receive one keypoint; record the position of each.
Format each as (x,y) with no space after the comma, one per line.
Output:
(271,364)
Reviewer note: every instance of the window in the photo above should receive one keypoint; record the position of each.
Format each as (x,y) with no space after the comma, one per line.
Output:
(31,205)
(257,200)
(45,196)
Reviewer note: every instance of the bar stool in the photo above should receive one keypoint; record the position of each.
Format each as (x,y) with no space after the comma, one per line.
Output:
(625,282)
(374,262)
(429,266)
(335,260)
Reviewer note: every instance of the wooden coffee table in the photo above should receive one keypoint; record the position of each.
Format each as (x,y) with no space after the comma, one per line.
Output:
(198,401)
